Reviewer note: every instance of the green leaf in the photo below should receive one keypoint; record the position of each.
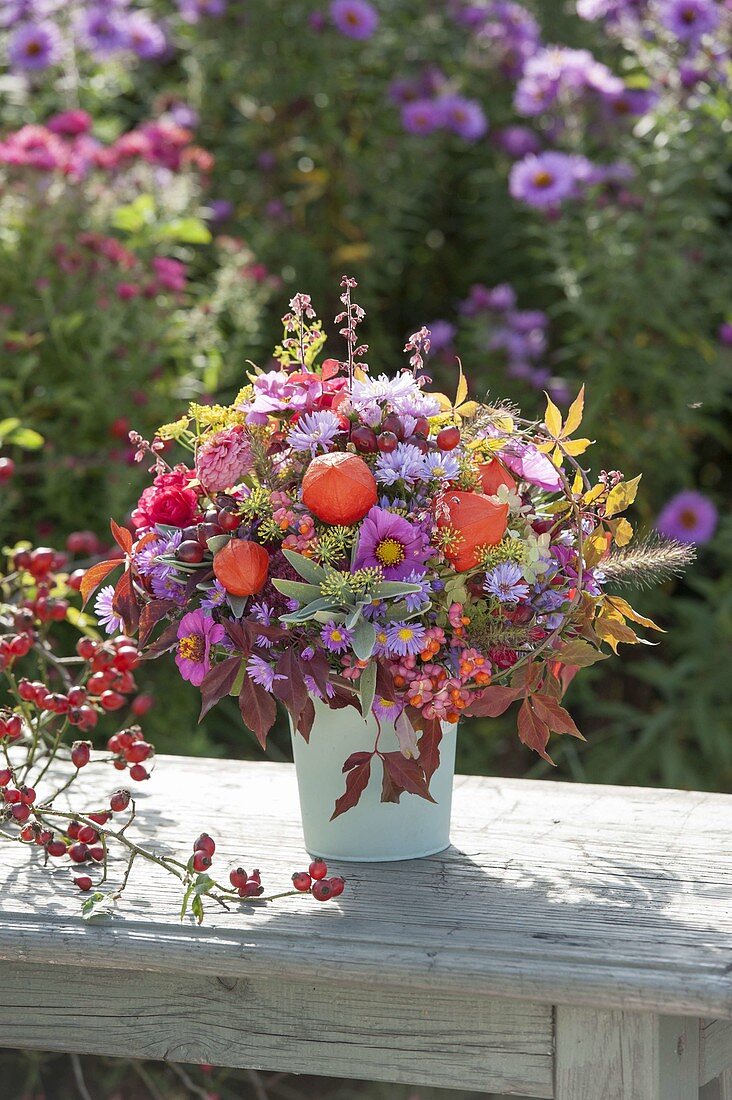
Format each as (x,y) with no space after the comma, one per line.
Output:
(217,542)
(307,568)
(364,639)
(98,905)
(197,908)
(367,687)
(324,603)
(354,616)
(8,425)
(133,217)
(185,230)
(296,590)
(26,438)
(386,590)
(237,604)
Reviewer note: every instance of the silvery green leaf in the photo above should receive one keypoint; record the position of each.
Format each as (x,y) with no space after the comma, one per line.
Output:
(217,542)
(353,615)
(354,552)
(308,611)
(386,590)
(237,604)
(310,570)
(367,687)
(364,639)
(297,590)
(399,612)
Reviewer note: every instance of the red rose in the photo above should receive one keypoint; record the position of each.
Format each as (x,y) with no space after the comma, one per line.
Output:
(168,500)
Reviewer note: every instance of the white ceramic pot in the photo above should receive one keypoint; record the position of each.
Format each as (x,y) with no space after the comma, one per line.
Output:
(372,831)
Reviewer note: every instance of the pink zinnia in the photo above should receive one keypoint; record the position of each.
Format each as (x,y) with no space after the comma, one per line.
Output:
(224,459)
(197,632)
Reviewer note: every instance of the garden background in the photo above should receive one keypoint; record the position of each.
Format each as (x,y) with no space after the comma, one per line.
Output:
(546,186)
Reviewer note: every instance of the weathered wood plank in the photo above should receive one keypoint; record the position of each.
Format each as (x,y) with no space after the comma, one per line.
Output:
(625,1056)
(718,1089)
(715,1051)
(309,1026)
(554,893)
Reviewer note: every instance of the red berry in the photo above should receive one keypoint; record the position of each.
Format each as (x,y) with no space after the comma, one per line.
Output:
(227,520)
(204,532)
(97,683)
(322,890)
(387,442)
(80,753)
(5,776)
(56,848)
(88,834)
(79,853)
(201,861)
(26,691)
(448,438)
(302,881)
(88,718)
(393,423)
(419,442)
(86,648)
(97,853)
(21,812)
(83,882)
(72,830)
(29,833)
(120,800)
(7,469)
(422,426)
(45,836)
(74,580)
(337,885)
(141,704)
(11,727)
(126,658)
(318,869)
(205,844)
(364,439)
(76,696)
(111,700)
(138,773)
(27,796)
(12,796)
(190,552)
(21,560)
(41,561)
(138,752)
(238,878)
(82,542)
(100,818)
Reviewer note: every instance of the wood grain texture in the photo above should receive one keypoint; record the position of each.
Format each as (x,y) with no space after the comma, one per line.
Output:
(625,1056)
(719,1089)
(298,1026)
(616,898)
(715,1050)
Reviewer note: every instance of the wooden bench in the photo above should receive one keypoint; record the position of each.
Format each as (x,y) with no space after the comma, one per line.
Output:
(576,943)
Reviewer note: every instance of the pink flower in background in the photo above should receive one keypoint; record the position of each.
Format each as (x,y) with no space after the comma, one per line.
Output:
(354,18)
(689,517)
(224,459)
(168,500)
(70,123)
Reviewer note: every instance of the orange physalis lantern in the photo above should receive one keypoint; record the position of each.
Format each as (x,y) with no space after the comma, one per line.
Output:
(493,474)
(339,488)
(242,567)
(476,519)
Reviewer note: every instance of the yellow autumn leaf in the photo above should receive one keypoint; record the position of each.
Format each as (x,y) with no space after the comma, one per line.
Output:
(574,416)
(613,629)
(578,483)
(623,532)
(552,418)
(545,448)
(623,608)
(594,547)
(622,496)
(462,387)
(576,446)
(593,493)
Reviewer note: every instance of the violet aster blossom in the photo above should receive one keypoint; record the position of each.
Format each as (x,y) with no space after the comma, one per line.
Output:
(335,637)
(261,672)
(422,116)
(102,31)
(35,46)
(544,179)
(464,117)
(517,141)
(193,10)
(390,543)
(224,458)
(145,37)
(197,632)
(405,463)
(689,20)
(689,517)
(314,431)
(387,710)
(442,335)
(354,18)
(104,612)
(506,582)
(405,639)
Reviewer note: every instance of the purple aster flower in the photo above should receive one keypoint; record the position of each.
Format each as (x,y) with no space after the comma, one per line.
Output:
(262,672)
(35,46)
(405,639)
(506,582)
(544,179)
(147,559)
(422,116)
(354,18)
(186,116)
(215,596)
(387,710)
(689,517)
(335,637)
(104,612)
(144,37)
(482,299)
(517,141)
(220,210)
(390,543)
(197,632)
(193,10)
(314,690)
(689,20)
(465,117)
(313,431)
(405,463)
(416,601)
(166,587)
(724,334)
(440,466)
(102,31)
(442,335)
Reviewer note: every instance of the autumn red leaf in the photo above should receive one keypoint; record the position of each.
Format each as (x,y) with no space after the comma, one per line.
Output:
(151,615)
(306,720)
(356,783)
(493,701)
(355,759)
(124,603)
(163,643)
(218,682)
(94,577)
(258,709)
(556,717)
(390,792)
(291,689)
(407,774)
(429,748)
(532,731)
(122,536)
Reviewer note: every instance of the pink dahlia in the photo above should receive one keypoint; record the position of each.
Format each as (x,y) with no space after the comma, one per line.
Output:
(224,459)
(197,632)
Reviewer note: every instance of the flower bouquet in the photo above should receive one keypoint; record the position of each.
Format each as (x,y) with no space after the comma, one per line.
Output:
(340,539)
